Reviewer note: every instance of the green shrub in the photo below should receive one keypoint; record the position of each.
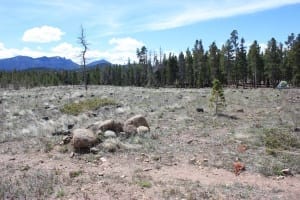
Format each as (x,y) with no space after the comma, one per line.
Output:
(280,140)
(86,105)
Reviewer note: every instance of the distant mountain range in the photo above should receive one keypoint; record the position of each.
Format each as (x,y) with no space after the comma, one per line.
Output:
(48,63)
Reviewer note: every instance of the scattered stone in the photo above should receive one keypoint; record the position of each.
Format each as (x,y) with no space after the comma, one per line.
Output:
(67,139)
(240,110)
(279,178)
(25,168)
(100,174)
(94,150)
(70,126)
(287,172)
(147,169)
(120,110)
(238,168)
(199,109)
(63,132)
(45,118)
(297,129)
(111,125)
(110,134)
(142,130)
(242,148)
(192,161)
(80,96)
(83,138)
(190,141)
(92,114)
(72,154)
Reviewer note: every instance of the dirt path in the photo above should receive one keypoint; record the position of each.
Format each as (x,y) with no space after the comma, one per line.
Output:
(119,173)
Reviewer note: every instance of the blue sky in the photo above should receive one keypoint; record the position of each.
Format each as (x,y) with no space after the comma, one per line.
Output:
(114,29)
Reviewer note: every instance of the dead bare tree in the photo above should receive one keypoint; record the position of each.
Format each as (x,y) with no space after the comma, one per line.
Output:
(82,41)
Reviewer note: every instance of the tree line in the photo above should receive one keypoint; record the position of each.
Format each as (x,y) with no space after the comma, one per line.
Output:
(233,64)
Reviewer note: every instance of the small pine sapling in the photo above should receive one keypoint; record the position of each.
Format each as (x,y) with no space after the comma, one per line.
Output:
(217,99)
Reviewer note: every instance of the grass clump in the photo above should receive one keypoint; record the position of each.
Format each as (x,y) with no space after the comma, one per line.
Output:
(76,108)
(144,184)
(280,140)
(74,174)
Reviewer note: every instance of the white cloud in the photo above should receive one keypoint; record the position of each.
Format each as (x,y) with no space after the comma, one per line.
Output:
(43,34)
(125,44)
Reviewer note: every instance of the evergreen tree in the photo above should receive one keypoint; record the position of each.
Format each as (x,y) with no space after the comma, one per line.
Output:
(181,69)
(242,63)
(273,61)
(217,99)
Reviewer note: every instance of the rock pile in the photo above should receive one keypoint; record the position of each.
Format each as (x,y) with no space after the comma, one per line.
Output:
(87,138)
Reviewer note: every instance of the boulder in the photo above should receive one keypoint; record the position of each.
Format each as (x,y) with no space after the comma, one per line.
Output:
(137,121)
(130,129)
(111,125)
(142,130)
(83,138)
(109,134)
(131,125)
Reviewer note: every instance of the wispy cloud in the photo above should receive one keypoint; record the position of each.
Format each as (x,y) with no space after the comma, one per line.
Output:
(197,11)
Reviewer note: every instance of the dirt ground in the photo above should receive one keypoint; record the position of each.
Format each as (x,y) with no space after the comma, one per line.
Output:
(188,154)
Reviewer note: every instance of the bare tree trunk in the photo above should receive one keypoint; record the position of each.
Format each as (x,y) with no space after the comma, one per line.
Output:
(84,44)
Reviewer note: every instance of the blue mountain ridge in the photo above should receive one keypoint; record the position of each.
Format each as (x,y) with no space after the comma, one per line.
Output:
(20,63)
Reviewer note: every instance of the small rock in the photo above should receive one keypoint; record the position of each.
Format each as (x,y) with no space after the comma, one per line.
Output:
(70,126)
(94,150)
(297,129)
(147,169)
(110,134)
(80,96)
(199,109)
(240,110)
(192,161)
(25,168)
(287,172)
(72,154)
(67,139)
(45,118)
(63,132)
(142,130)
(100,174)
(279,177)
(238,167)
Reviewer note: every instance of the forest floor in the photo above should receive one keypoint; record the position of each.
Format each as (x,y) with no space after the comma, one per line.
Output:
(188,154)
